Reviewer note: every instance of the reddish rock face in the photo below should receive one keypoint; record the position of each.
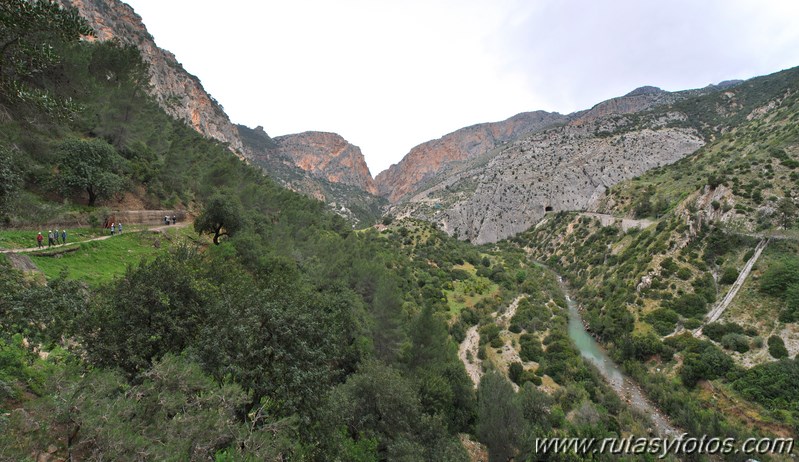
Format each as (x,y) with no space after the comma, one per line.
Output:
(182,96)
(427,159)
(327,155)
(179,93)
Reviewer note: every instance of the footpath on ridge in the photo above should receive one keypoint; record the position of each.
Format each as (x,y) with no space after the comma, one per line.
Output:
(156,229)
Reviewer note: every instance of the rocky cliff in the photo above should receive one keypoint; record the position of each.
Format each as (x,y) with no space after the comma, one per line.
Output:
(297,161)
(178,92)
(433,157)
(326,155)
(563,168)
(482,185)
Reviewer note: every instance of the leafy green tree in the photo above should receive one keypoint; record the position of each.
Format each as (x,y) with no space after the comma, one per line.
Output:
(155,309)
(779,276)
(222,215)
(790,312)
(176,412)
(787,211)
(499,419)
(736,342)
(386,310)
(428,346)
(375,403)
(10,181)
(91,166)
(282,342)
(728,275)
(31,34)
(444,387)
(121,80)
(711,363)
(689,305)
(663,320)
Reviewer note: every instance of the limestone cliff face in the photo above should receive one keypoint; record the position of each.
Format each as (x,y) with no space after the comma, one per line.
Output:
(433,157)
(180,94)
(327,155)
(567,167)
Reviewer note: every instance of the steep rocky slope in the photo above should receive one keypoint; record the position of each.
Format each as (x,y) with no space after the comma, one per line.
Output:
(327,155)
(570,165)
(566,168)
(178,92)
(321,165)
(433,157)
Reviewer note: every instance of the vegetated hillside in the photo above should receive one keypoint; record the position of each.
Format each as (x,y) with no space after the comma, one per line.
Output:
(294,338)
(179,93)
(182,96)
(569,167)
(646,290)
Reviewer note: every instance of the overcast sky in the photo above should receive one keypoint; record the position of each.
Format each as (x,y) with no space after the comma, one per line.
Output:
(388,75)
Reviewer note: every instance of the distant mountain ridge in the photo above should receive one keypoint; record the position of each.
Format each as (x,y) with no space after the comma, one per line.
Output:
(569,163)
(429,158)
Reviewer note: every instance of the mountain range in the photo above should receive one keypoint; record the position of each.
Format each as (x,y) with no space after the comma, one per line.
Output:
(482,183)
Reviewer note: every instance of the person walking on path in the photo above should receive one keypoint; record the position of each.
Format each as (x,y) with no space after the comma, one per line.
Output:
(64,236)
(49,237)
(39,239)
(113,228)
(174,219)
(120,228)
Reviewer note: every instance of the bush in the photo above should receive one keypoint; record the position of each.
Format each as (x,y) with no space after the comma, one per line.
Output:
(711,363)
(663,320)
(779,276)
(488,333)
(728,275)
(515,371)
(776,347)
(735,342)
(531,349)
(691,323)
(690,306)
(716,330)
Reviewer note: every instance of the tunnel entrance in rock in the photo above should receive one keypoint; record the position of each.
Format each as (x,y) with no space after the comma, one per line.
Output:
(548,208)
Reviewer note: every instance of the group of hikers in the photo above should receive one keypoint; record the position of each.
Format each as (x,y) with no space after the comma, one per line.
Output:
(60,237)
(53,238)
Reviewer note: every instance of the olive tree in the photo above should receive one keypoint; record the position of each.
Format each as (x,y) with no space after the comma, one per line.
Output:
(221,216)
(91,166)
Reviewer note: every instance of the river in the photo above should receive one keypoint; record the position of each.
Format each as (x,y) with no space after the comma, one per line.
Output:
(627,390)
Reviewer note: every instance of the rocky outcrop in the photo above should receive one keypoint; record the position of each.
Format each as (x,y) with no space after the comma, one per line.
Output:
(429,159)
(179,93)
(326,155)
(434,158)
(183,97)
(563,168)
(638,100)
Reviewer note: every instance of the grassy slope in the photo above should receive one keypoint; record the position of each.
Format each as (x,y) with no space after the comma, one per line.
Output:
(99,262)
